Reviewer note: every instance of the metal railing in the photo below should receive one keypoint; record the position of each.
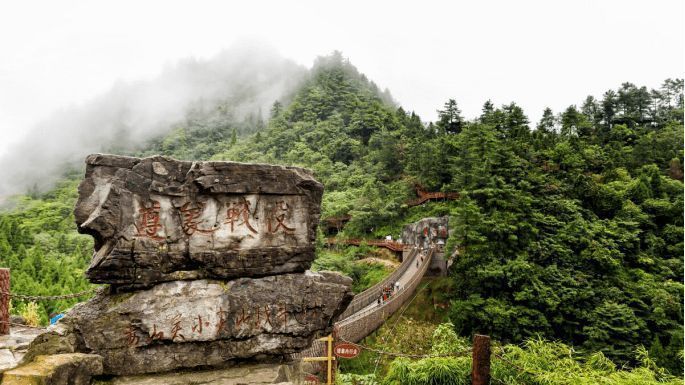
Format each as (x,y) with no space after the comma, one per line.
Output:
(359,325)
(371,294)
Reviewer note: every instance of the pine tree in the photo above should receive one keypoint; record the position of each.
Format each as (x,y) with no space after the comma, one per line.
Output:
(449,119)
(276,109)
(547,122)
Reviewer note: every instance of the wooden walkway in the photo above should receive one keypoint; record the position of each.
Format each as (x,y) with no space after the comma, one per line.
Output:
(425,196)
(390,245)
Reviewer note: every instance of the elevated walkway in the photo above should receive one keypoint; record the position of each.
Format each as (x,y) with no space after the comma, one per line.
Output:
(364,314)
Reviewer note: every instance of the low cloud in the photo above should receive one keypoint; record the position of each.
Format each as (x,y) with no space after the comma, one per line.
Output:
(248,77)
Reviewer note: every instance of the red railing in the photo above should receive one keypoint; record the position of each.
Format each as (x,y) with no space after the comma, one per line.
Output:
(425,196)
(390,245)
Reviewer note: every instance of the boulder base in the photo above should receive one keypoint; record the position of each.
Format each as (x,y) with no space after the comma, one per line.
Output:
(59,369)
(186,324)
(256,374)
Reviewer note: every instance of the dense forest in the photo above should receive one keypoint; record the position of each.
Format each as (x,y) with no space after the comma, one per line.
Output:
(570,229)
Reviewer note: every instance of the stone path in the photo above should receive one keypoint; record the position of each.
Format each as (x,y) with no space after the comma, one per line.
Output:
(14,345)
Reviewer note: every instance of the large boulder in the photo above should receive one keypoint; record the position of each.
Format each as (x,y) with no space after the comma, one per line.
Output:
(158,219)
(186,324)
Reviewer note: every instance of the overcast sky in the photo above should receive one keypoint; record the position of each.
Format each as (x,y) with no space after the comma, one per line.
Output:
(55,54)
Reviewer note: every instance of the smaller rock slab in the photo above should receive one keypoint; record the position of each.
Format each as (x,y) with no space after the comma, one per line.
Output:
(13,346)
(7,360)
(187,324)
(256,374)
(60,369)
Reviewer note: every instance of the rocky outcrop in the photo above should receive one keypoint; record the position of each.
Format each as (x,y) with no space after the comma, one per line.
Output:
(157,219)
(59,369)
(207,265)
(254,374)
(426,232)
(430,233)
(14,346)
(186,324)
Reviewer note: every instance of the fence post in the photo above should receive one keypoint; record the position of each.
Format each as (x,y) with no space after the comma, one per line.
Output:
(480,373)
(4,301)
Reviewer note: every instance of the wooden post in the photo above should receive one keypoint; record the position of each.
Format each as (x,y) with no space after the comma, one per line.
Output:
(4,301)
(329,378)
(480,373)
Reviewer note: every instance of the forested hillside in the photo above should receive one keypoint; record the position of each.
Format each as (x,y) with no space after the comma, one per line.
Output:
(570,229)
(39,243)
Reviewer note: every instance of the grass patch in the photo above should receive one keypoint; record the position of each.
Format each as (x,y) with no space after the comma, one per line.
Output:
(346,261)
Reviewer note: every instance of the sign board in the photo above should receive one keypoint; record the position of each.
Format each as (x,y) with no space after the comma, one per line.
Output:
(345,350)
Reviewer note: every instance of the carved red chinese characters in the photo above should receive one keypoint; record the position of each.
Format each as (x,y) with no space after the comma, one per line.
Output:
(152,218)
